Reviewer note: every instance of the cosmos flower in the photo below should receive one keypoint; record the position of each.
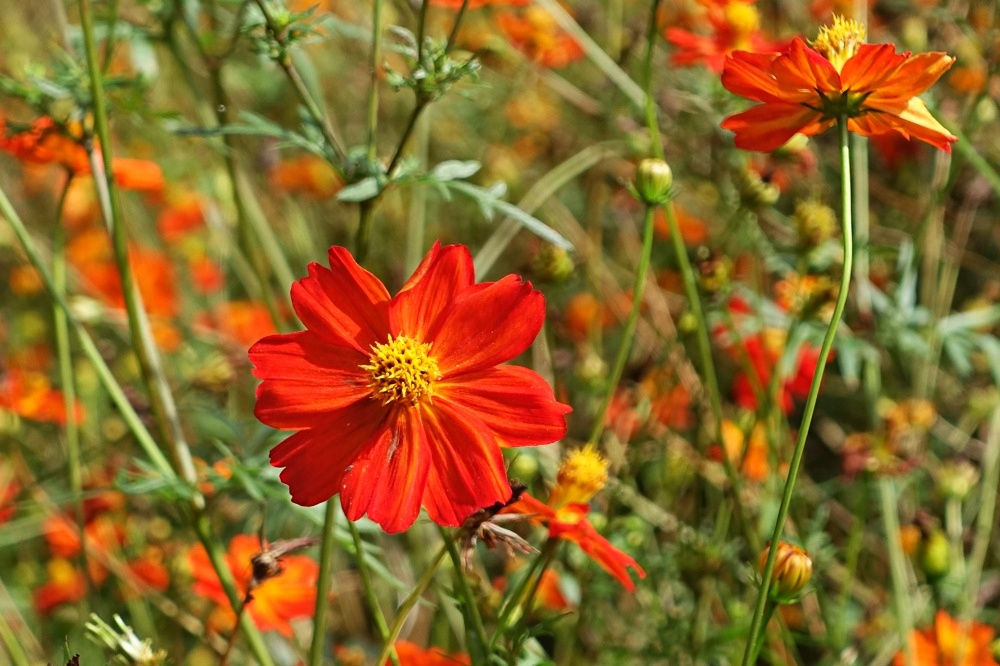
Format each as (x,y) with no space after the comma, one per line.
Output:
(805,89)
(940,644)
(276,601)
(581,476)
(400,402)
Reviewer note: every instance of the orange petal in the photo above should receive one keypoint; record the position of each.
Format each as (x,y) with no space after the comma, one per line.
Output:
(767,127)
(871,67)
(442,274)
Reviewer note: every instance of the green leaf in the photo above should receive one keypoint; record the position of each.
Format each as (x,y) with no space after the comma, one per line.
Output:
(490,204)
(455,170)
(363,190)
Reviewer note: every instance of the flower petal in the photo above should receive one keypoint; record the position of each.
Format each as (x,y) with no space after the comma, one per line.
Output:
(442,274)
(488,324)
(871,68)
(515,403)
(612,560)
(467,469)
(802,72)
(914,122)
(749,75)
(345,304)
(388,482)
(915,75)
(306,379)
(767,127)
(316,459)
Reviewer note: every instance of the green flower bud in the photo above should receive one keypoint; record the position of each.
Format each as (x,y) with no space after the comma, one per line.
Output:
(935,555)
(653,180)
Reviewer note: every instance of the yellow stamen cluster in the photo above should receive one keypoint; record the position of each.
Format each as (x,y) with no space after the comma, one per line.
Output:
(581,476)
(840,42)
(401,369)
(742,17)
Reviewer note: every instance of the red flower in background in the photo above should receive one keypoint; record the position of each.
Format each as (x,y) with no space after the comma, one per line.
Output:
(806,89)
(940,644)
(400,402)
(764,352)
(276,601)
(732,25)
(536,34)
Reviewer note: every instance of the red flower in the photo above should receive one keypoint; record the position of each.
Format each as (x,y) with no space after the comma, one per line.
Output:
(806,89)
(734,25)
(276,601)
(940,644)
(399,401)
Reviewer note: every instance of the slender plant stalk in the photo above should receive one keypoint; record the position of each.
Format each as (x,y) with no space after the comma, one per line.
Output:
(161,398)
(408,604)
(478,630)
(369,589)
(515,599)
(757,623)
(362,240)
(327,547)
(652,123)
(897,565)
(10,641)
(628,332)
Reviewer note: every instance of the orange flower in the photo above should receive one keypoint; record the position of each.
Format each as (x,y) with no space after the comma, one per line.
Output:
(940,644)
(752,453)
(308,174)
(276,601)
(536,34)
(30,395)
(183,215)
(401,402)
(9,489)
(806,89)
(411,654)
(733,25)
(65,585)
(240,322)
(582,474)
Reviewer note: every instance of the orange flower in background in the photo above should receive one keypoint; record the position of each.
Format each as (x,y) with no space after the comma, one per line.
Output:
(581,476)
(241,322)
(750,455)
(10,487)
(732,25)
(764,352)
(308,174)
(276,601)
(536,34)
(940,644)
(65,585)
(30,395)
(411,654)
(183,215)
(806,89)
(401,402)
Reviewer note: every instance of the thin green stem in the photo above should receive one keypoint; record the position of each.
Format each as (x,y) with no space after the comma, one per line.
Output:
(301,90)
(630,324)
(362,239)
(161,398)
(652,124)
(388,646)
(327,547)
(12,644)
(897,565)
(456,26)
(516,597)
(756,624)
(478,630)
(368,586)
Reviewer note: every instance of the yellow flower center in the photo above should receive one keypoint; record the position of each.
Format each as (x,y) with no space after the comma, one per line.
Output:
(742,18)
(581,476)
(401,369)
(840,42)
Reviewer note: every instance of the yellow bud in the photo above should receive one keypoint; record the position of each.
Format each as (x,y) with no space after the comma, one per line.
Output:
(653,180)
(792,570)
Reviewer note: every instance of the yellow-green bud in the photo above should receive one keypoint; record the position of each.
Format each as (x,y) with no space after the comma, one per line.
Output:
(552,264)
(957,478)
(935,555)
(792,570)
(754,191)
(815,222)
(653,180)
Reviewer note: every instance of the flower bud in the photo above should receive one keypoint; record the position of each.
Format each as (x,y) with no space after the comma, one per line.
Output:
(792,570)
(935,555)
(957,478)
(552,264)
(653,180)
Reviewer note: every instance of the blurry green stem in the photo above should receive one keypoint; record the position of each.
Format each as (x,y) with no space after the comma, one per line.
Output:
(652,124)
(469,599)
(366,584)
(629,331)
(517,596)
(897,565)
(161,398)
(218,559)
(756,624)
(388,646)
(11,642)
(362,240)
(327,546)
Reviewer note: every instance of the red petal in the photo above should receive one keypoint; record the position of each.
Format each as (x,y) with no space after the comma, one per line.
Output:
(306,379)
(388,482)
(430,290)
(870,67)
(515,403)
(803,71)
(345,304)
(316,460)
(467,469)
(488,324)
(915,75)
(767,127)
(749,75)
(612,560)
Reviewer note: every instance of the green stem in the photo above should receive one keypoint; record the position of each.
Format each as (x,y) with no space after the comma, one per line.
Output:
(630,324)
(362,239)
(756,624)
(218,559)
(67,379)
(768,614)
(652,124)
(897,565)
(161,398)
(369,588)
(327,547)
(516,597)
(388,646)
(478,631)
